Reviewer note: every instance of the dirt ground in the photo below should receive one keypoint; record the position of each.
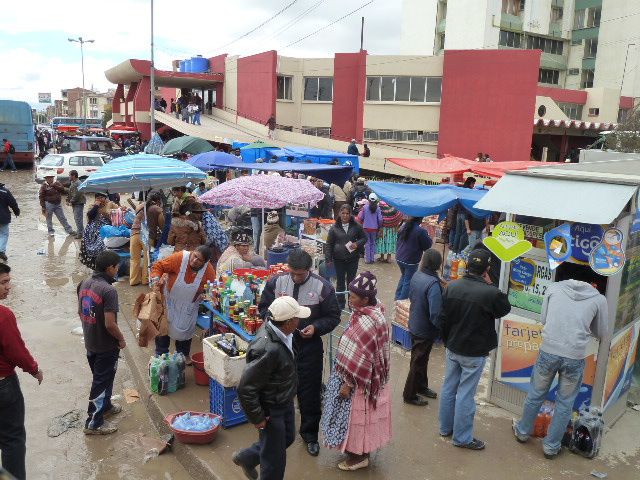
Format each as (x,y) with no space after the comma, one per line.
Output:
(45,274)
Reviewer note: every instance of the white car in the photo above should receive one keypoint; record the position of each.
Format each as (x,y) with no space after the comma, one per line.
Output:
(60,164)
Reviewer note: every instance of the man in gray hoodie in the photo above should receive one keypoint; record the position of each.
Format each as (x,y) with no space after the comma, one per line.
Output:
(571,312)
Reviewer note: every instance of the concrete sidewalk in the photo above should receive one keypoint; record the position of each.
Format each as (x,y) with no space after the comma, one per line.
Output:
(416,452)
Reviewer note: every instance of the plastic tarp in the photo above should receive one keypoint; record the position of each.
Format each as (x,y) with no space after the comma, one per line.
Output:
(213,160)
(186,144)
(256,150)
(424,200)
(281,153)
(337,174)
(457,165)
(325,156)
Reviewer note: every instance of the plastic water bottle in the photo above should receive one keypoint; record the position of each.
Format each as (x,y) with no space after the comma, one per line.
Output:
(247,295)
(173,374)
(163,384)
(180,361)
(154,374)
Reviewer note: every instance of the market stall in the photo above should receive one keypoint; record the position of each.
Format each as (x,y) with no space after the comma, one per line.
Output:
(579,218)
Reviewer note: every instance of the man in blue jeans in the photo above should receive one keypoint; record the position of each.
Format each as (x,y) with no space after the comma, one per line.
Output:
(98,310)
(470,307)
(7,201)
(572,311)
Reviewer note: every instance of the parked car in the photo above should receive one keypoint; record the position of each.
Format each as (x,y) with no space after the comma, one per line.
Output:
(91,144)
(60,164)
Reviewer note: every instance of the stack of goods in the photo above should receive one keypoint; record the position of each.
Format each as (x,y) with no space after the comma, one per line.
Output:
(432,226)
(401,313)
(166,373)
(224,358)
(309,246)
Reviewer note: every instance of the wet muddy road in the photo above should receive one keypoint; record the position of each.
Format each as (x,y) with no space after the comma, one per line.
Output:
(45,272)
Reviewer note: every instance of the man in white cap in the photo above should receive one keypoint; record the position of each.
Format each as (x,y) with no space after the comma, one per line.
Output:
(353,148)
(266,390)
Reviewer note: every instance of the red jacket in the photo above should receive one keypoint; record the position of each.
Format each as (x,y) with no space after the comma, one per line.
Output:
(13,352)
(7,146)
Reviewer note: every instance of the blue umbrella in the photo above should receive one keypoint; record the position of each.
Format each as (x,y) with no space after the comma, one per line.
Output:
(212,160)
(141,172)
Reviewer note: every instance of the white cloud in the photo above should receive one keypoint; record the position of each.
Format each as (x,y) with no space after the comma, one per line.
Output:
(121,30)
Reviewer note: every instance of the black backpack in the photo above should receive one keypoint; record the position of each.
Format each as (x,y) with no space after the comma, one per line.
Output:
(12,149)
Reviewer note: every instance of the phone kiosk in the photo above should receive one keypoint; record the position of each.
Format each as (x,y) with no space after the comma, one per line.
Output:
(581,219)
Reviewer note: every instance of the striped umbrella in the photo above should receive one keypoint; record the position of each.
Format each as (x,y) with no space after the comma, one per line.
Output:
(141,172)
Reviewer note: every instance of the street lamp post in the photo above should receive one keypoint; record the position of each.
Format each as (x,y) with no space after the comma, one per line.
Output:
(82,41)
(152,83)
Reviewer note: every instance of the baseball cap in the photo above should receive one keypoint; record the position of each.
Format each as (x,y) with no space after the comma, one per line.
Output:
(479,259)
(285,308)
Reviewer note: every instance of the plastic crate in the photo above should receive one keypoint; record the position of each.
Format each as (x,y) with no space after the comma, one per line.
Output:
(225,402)
(400,336)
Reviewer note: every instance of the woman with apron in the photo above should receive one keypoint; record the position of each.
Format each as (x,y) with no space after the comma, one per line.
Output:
(182,276)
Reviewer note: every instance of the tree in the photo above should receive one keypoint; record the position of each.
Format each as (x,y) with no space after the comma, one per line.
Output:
(626,137)
(107,115)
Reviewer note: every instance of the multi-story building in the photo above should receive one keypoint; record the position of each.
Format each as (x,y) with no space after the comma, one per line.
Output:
(94,103)
(585,44)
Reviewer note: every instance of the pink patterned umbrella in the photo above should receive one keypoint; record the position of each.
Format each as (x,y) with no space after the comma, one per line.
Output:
(262,191)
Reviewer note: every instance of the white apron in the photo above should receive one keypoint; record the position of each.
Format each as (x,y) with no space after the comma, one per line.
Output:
(182,310)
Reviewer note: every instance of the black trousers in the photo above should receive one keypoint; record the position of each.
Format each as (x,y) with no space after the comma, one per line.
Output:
(345,272)
(309,359)
(103,367)
(417,379)
(13,436)
(163,342)
(270,451)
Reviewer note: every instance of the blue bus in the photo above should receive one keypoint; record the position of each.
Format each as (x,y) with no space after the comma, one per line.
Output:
(75,123)
(16,125)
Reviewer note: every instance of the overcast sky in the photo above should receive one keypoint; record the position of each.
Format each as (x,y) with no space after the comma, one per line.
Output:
(37,57)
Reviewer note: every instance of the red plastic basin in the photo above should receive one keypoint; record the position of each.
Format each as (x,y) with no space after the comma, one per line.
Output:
(194,437)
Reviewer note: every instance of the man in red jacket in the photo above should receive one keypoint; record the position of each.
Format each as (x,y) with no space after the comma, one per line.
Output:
(13,353)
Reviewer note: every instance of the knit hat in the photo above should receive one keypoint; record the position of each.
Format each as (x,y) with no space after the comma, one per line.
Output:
(364,285)
(272,217)
(241,237)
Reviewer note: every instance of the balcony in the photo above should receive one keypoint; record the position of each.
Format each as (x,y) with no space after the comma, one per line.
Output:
(552,61)
(585,33)
(555,28)
(511,22)
(589,63)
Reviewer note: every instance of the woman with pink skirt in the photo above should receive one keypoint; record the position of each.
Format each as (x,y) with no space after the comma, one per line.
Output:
(357,405)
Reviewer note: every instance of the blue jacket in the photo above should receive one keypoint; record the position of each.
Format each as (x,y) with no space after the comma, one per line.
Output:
(425,293)
(410,249)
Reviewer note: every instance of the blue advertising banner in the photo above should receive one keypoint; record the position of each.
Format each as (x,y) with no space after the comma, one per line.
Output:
(585,238)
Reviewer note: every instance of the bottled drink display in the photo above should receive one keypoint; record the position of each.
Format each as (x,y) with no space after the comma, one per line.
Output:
(163,384)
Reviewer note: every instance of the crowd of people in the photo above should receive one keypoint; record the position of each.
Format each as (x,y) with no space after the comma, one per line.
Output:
(353,414)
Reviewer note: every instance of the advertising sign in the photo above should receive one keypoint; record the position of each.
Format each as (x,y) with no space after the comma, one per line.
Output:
(607,258)
(528,283)
(622,354)
(628,308)
(44,98)
(507,241)
(585,238)
(518,346)
(558,245)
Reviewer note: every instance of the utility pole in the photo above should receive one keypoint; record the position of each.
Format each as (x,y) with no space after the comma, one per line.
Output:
(152,82)
(362,35)
(81,41)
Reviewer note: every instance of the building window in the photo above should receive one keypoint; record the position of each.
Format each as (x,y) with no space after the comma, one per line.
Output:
(513,7)
(318,89)
(510,39)
(556,13)
(317,131)
(590,48)
(284,87)
(549,76)
(623,114)
(93,114)
(578,19)
(594,112)
(573,71)
(571,110)
(401,135)
(593,17)
(93,101)
(587,79)
(547,45)
(404,89)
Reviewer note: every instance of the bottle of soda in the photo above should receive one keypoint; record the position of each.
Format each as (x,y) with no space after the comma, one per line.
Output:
(180,361)
(163,385)
(154,374)
(172,369)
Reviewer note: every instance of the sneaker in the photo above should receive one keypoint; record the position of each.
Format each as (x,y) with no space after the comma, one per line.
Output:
(551,456)
(114,410)
(250,473)
(474,444)
(445,435)
(519,437)
(104,429)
